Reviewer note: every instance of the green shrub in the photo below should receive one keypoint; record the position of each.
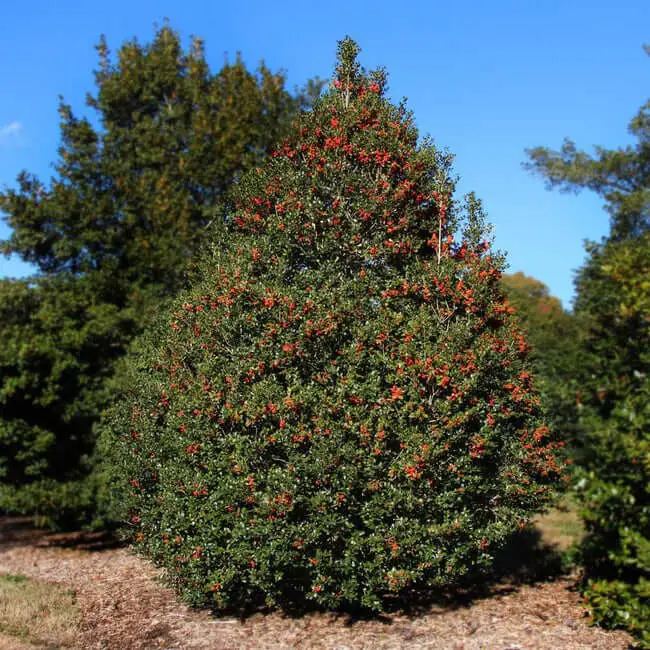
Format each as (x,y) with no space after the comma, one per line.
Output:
(615,486)
(340,408)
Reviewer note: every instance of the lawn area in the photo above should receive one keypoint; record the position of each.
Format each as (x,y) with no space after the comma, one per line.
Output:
(36,614)
(561,527)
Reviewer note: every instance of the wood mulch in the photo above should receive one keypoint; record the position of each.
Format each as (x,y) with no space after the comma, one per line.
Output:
(124,607)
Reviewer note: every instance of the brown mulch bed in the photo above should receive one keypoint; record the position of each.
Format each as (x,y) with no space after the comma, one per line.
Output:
(124,606)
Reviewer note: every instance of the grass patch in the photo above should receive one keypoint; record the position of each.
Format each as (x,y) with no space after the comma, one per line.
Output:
(37,613)
(563,526)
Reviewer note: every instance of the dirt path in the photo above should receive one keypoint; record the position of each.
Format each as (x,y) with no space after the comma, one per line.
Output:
(124,607)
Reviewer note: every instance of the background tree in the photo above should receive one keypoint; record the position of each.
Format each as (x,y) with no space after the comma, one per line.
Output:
(133,197)
(613,303)
(614,296)
(134,193)
(553,334)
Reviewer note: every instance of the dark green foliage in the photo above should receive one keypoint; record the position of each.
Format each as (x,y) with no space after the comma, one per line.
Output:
(340,407)
(134,197)
(615,292)
(613,307)
(112,235)
(60,337)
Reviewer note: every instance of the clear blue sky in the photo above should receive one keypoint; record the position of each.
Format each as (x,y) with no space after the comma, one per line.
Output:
(485,79)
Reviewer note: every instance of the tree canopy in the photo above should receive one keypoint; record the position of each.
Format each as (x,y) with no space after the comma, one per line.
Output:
(136,186)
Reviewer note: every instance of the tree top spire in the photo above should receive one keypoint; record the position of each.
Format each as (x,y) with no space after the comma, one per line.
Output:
(350,76)
(348,69)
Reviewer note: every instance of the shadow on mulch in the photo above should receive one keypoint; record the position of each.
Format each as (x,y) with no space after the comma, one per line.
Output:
(525,560)
(21,531)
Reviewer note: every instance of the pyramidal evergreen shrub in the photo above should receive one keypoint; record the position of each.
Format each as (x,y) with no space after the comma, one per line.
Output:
(340,408)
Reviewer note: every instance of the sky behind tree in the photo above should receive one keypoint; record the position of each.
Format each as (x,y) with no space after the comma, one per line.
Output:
(485,80)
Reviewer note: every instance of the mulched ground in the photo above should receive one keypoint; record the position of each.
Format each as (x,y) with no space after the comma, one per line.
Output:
(124,607)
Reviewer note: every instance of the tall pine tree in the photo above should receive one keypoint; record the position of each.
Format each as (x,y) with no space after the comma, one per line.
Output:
(132,199)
